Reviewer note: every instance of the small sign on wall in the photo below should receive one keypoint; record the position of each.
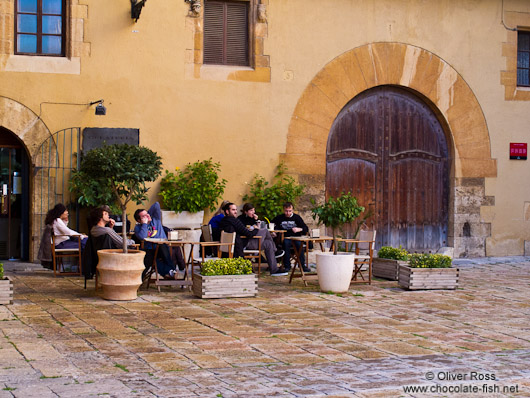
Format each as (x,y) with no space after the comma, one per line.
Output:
(518,151)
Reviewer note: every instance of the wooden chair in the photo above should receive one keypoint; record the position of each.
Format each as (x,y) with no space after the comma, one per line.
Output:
(364,254)
(225,247)
(255,254)
(59,254)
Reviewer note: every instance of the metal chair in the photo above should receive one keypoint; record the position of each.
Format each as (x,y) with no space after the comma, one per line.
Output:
(59,254)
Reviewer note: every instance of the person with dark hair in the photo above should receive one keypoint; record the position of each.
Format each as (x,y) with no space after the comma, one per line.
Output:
(295,226)
(149,225)
(216,220)
(250,219)
(58,219)
(232,224)
(103,224)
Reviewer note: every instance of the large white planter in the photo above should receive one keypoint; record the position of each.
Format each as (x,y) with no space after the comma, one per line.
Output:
(183,219)
(335,272)
(120,274)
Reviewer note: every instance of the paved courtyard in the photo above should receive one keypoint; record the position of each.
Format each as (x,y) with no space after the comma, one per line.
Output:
(59,340)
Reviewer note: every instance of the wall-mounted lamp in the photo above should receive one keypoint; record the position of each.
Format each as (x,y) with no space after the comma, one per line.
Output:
(136,9)
(195,6)
(100,109)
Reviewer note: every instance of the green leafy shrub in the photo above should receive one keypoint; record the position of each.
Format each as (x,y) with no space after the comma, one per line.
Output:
(1,271)
(268,198)
(193,189)
(427,260)
(393,253)
(336,212)
(227,266)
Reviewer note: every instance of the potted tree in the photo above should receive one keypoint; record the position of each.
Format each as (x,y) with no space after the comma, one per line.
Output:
(226,277)
(188,192)
(119,172)
(334,270)
(6,287)
(428,271)
(268,198)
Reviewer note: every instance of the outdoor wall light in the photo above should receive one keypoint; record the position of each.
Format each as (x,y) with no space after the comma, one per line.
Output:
(195,6)
(136,9)
(100,109)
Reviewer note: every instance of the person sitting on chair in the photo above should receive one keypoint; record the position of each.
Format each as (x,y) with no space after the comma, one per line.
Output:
(231,224)
(295,226)
(216,220)
(103,225)
(58,218)
(149,225)
(250,219)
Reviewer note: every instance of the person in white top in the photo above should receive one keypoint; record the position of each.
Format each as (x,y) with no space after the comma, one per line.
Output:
(58,218)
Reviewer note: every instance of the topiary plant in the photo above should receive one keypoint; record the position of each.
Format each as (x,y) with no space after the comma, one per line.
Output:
(336,212)
(116,174)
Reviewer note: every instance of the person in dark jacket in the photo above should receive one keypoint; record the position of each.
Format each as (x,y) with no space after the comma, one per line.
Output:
(231,224)
(295,226)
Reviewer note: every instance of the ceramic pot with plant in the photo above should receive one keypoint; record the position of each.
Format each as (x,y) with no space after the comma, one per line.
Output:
(188,192)
(120,172)
(335,269)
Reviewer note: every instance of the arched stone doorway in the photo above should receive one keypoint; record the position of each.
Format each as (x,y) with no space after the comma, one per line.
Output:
(388,148)
(454,102)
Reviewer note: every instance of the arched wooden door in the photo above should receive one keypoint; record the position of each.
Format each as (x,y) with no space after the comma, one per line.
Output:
(388,147)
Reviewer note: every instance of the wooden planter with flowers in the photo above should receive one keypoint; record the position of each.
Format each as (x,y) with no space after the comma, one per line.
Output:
(386,264)
(223,278)
(6,288)
(428,271)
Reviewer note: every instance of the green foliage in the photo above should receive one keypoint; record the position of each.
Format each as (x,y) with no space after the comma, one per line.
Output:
(428,260)
(1,271)
(393,253)
(268,198)
(227,266)
(115,175)
(193,189)
(336,212)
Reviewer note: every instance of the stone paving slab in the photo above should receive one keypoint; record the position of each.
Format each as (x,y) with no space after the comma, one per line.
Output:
(60,340)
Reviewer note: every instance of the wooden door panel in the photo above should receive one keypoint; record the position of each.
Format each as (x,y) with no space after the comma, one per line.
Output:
(399,136)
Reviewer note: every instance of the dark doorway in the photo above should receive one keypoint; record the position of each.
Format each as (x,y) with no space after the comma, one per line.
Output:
(14,194)
(388,147)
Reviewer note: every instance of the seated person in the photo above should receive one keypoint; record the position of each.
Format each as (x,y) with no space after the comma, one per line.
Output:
(216,220)
(149,225)
(250,219)
(295,226)
(103,225)
(230,223)
(58,218)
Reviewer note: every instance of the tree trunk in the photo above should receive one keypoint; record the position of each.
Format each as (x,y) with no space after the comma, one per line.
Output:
(124,228)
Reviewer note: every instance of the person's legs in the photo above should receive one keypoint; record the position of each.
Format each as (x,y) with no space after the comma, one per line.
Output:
(163,261)
(287,243)
(178,258)
(270,249)
(301,248)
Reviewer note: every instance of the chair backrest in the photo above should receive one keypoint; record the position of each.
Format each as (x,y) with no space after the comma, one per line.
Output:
(367,236)
(206,233)
(227,237)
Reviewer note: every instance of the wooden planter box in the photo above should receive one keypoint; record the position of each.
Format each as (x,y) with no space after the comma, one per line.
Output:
(428,278)
(221,286)
(386,268)
(6,291)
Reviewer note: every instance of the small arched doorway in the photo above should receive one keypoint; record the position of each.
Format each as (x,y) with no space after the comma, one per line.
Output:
(388,147)
(14,194)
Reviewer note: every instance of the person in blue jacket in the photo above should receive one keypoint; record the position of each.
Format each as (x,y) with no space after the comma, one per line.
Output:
(149,225)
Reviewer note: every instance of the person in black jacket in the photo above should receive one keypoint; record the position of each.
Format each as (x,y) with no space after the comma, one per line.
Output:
(295,226)
(230,223)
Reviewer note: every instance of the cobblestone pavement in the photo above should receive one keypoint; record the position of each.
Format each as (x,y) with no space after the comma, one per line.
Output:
(59,340)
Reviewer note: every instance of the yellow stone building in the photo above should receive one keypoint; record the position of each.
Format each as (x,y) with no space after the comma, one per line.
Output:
(443,84)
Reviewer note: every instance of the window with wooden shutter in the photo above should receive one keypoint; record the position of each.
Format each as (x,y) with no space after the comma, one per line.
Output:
(226,33)
(40,27)
(523,59)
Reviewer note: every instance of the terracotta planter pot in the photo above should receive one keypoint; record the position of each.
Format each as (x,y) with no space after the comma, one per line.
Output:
(335,272)
(6,291)
(120,274)
(428,278)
